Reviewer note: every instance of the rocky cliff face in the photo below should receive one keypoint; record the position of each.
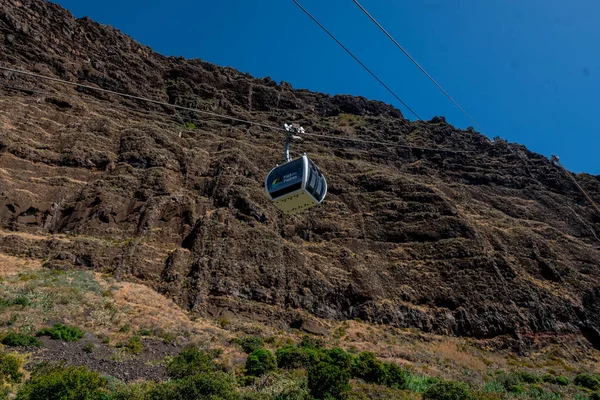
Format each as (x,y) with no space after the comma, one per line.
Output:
(492,243)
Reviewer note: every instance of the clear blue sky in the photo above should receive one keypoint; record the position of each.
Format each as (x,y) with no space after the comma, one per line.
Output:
(526,70)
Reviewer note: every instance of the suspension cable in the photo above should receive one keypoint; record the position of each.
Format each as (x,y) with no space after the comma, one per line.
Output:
(162,103)
(275,128)
(357,60)
(581,189)
(417,64)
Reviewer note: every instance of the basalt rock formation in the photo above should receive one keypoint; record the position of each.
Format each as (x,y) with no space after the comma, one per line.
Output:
(490,241)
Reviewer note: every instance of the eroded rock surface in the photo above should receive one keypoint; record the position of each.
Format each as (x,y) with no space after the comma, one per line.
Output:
(494,242)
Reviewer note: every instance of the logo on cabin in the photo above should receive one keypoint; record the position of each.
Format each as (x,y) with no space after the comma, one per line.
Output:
(277,182)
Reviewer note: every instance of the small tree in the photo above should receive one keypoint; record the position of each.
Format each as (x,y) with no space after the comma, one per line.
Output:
(396,376)
(250,343)
(368,368)
(291,357)
(70,383)
(190,362)
(259,362)
(340,357)
(328,381)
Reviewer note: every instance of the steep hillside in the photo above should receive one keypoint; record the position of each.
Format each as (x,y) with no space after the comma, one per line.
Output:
(497,243)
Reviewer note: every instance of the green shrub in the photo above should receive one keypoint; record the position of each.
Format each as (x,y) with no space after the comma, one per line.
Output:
(21,301)
(4,393)
(420,383)
(209,386)
(396,376)
(528,377)
(291,357)
(562,380)
(190,126)
(511,383)
(62,383)
(19,340)
(595,396)
(260,362)
(340,358)
(250,343)
(588,381)
(10,368)
(125,328)
(89,348)
(309,342)
(190,362)
(448,391)
(327,381)
(558,380)
(368,368)
(372,370)
(134,345)
(145,332)
(62,332)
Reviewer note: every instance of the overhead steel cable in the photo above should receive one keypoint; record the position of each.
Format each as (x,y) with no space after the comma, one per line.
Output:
(557,162)
(418,65)
(130,96)
(357,60)
(275,128)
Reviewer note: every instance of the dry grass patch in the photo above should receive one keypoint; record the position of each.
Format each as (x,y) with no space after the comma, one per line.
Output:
(10,265)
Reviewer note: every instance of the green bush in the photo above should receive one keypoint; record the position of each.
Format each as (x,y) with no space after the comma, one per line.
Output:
(10,368)
(190,126)
(260,362)
(209,386)
(448,391)
(528,377)
(558,380)
(396,376)
(190,362)
(134,345)
(250,343)
(326,381)
(21,301)
(62,383)
(62,332)
(548,378)
(291,357)
(595,396)
(309,342)
(89,348)
(562,380)
(19,340)
(511,383)
(4,393)
(340,357)
(588,381)
(368,368)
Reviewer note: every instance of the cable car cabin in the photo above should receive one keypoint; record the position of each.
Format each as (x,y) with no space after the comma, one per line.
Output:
(296,185)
